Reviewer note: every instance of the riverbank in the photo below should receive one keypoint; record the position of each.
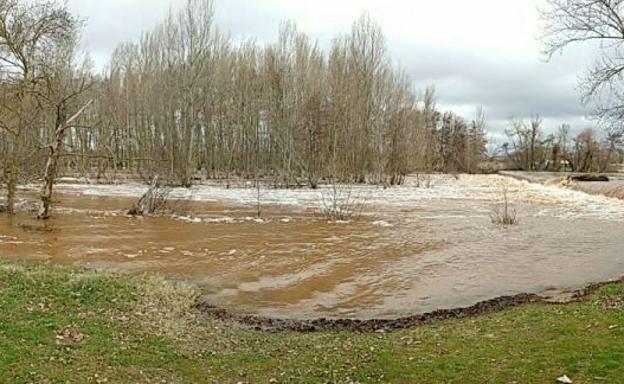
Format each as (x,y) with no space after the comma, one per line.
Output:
(60,324)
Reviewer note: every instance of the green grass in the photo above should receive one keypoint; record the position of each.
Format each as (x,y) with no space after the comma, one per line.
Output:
(61,325)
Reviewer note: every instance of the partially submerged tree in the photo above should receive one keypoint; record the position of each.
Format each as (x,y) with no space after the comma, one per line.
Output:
(503,213)
(26,32)
(63,124)
(38,41)
(153,201)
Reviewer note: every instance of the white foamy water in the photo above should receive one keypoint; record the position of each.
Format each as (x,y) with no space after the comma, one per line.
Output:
(557,202)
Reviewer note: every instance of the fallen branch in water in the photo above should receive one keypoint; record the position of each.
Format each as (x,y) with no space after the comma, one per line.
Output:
(154,200)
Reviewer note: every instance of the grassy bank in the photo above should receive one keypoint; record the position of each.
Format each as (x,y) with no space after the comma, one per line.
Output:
(72,325)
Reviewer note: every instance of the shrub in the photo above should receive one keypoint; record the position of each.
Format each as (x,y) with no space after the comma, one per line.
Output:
(340,203)
(503,213)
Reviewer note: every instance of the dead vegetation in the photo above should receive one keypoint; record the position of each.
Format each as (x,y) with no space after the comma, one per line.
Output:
(340,202)
(166,308)
(153,201)
(424,181)
(503,213)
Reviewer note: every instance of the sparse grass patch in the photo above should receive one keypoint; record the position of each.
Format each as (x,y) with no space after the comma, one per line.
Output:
(71,325)
(165,308)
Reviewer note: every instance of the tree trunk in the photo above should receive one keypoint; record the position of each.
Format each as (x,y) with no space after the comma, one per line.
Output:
(10,174)
(147,203)
(49,177)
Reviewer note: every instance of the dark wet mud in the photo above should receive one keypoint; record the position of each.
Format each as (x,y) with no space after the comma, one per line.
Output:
(498,304)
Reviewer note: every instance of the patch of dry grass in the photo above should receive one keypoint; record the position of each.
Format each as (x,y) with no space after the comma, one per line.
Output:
(166,308)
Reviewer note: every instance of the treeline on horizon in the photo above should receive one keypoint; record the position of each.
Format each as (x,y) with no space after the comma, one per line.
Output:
(186,101)
(529,148)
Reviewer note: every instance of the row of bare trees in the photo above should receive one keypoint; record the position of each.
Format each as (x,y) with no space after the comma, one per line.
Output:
(530,149)
(186,102)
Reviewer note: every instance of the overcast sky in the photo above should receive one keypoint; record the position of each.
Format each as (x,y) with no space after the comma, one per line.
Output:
(476,53)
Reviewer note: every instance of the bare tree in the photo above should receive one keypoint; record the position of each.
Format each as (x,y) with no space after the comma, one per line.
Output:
(527,144)
(587,151)
(568,22)
(37,39)
(477,142)
(63,124)
(563,137)
(285,110)
(613,141)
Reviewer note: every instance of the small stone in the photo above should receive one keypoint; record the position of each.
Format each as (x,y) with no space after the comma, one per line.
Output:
(564,380)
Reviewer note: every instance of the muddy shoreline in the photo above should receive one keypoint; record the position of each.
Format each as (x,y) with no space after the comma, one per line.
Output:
(499,304)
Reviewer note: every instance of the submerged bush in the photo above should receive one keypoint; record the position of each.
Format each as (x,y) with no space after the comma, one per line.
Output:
(340,203)
(503,213)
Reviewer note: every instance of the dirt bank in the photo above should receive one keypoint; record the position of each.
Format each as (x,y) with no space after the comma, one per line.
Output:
(265,324)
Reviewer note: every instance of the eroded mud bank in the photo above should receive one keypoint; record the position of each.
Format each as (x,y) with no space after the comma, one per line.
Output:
(498,304)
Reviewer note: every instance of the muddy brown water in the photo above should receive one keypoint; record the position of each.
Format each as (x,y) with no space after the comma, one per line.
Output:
(434,254)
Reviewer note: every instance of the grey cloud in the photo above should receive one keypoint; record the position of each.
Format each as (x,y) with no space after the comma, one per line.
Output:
(505,87)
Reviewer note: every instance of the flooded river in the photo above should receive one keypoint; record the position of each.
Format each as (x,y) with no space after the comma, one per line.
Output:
(414,250)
